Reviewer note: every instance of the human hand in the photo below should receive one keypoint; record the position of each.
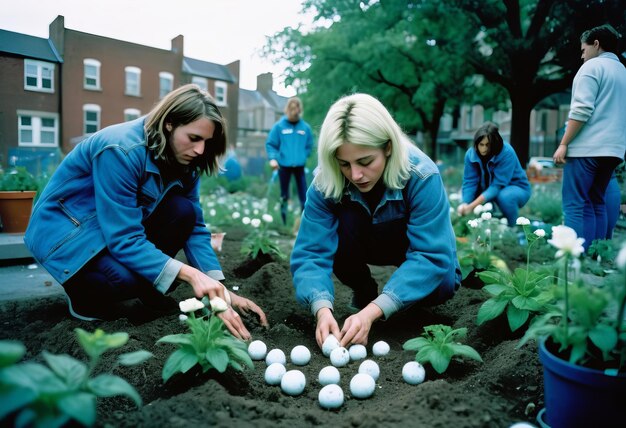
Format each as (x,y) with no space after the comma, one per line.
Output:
(326,324)
(202,284)
(559,154)
(463,209)
(246,306)
(274,164)
(234,324)
(357,327)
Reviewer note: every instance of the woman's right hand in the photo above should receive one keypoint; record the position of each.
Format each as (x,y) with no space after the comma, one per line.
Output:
(326,324)
(202,284)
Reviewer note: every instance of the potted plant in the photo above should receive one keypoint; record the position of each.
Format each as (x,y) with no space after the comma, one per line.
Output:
(18,188)
(582,344)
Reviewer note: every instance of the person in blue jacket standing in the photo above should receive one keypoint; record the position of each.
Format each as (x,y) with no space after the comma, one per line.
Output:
(492,172)
(124,201)
(288,146)
(376,199)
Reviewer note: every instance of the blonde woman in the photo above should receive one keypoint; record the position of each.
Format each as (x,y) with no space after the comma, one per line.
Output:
(124,202)
(376,199)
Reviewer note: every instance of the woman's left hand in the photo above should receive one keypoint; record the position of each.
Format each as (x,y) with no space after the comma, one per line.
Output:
(246,306)
(357,327)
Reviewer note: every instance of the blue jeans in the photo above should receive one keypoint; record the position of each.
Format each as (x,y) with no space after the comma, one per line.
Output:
(585,181)
(509,200)
(105,280)
(284,176)
(612,199)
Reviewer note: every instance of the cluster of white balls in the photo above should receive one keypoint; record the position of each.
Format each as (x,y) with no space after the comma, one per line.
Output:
(331,396)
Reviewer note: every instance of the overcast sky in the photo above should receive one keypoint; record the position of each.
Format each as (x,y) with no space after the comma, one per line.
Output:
(219,31)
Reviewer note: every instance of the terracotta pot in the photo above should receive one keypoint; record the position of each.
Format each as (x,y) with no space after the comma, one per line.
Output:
(15,210)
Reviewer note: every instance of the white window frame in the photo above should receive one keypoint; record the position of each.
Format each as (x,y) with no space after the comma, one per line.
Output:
(203,82)
(128,89)
(90,62)
(39,75)
(221,93)
(36,127)
(131,114)
(91,108)
(165,76)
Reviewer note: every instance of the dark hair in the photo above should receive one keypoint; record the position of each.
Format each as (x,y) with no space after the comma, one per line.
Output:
(489,130)
(605,35)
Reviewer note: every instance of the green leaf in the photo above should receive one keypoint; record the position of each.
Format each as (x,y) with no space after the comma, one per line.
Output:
(490,309)
(242,356)
(133,358)
(218,359)
(80,406)
(495,289)
(176,339)
(107,385)
(98,342)
(526,303)
(415,343)
(181,360)
(466,351)
(516,317)
(604,337)
(439,361)
(70,370)
(490,277)
(15,398)
(33,376)
(11,351)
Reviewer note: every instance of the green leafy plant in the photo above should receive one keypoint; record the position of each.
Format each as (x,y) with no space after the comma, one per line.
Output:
(438,344)
(18,179)
(521,293)
(209,344)
(261,240)
(63,390)
(587,321)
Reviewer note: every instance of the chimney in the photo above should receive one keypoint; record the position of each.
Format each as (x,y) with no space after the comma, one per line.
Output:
(264,82)
(56,33)
(178,44)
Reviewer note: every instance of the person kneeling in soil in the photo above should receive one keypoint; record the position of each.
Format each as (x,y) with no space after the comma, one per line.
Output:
(122,204)
(376,199)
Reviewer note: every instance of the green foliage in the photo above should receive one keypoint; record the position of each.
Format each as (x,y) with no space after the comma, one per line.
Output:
(18,179)
(209,344)
(438,344)
(261,240)
(63,390)
(602,249)
(545,203)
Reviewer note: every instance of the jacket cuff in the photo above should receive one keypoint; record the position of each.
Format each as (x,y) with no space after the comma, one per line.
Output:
(168,275)
(319,304)
(217,275)
(386,304)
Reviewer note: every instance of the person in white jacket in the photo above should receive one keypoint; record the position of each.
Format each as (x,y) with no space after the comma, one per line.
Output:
(594,142)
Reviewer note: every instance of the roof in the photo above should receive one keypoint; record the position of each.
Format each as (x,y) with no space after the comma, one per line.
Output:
(28,46)
(207,69)
(278,102)
(251,99)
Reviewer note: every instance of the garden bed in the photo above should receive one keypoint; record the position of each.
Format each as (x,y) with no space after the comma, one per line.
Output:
(505,388)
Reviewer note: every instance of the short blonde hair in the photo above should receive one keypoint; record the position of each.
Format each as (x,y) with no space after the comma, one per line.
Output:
(180,107)
(362,120)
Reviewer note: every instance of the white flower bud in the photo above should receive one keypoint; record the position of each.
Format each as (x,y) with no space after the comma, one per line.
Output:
(190,305)
(522,221)
(255,222)
(218,304)
(540,233)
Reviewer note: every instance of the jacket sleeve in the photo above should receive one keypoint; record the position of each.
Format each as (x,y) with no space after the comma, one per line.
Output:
(503,169)
(584,95)
(471,180)
(272,145)
(431,264)
(314,252)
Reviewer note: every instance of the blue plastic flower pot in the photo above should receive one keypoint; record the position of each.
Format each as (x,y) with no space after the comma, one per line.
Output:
(577,396)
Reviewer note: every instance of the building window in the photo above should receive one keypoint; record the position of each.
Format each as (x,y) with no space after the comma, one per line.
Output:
(91,118)
(38,129)
(166,83)
(201,81)
(133,81)
(131,114)
(220,93)
(38,76)
(91,74)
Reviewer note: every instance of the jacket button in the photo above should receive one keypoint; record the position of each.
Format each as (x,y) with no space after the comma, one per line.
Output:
(66,271)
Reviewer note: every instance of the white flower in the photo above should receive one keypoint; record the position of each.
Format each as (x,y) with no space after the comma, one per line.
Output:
(218,304)
(488,232)
(522,221)
(246,211)
(236,215)
(182,318)
(190,305)
(504,221)
(212,212)
(488,207)
(245,220)
(472,223)
(478,209)
(486,216)
(255,222)
(267,218)
(540,233)
(565,239)
(620,260)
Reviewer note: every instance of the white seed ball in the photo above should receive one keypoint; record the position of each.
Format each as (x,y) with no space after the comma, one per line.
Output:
(274,373)
(329,344)
(380,348)
(330,397)
(413,373)
(275,356)
(257,350)
(522,425)
(357,352)
(371,368)
(300,355)
(362,385)
(293,382)
(339,357)
(329,375)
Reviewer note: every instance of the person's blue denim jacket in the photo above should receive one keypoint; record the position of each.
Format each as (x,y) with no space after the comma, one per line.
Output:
(504,170)
(290,144)
(98,198)
(431,260)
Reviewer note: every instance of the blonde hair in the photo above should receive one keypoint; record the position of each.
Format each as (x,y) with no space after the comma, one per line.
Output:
(290,101)
(362,120)
(180,107)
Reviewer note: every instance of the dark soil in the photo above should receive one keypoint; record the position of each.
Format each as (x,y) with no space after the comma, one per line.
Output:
(507,387)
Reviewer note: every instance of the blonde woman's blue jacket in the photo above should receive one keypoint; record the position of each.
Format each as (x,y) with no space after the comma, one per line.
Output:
(504,170)
(431,260)
(98,198)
